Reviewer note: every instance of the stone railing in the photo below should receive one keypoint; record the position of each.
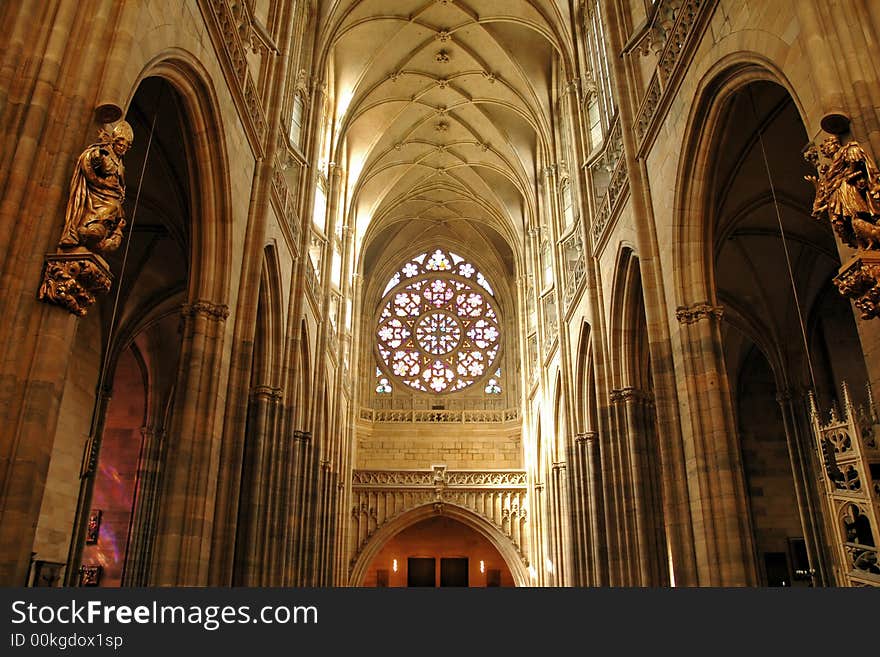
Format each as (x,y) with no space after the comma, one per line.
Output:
(532,351)
(848,452)
(609,195)
(497,496)
(285,204)
(231,29)
(674,28)
(470,416)
(312,279)
(551,322)
(575,265)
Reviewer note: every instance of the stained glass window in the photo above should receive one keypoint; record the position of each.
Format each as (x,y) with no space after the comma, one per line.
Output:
(383,387)
(493,387)
(438,327)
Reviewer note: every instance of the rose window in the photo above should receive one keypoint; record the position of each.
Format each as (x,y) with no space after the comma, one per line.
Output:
(438,333)
(438,328)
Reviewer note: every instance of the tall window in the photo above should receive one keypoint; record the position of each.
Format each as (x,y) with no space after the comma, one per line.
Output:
(438,329)
(296,118)
(600,105)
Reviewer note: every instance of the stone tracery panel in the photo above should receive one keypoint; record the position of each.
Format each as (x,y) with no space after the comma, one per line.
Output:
(498,496)
(438,328)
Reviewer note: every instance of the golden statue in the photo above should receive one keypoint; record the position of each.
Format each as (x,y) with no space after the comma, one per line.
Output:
(847,192)
(93,225)
(95,217)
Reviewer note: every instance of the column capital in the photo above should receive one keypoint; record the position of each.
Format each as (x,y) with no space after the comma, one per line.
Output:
(208,309)
(629,394)
(269,393)
(694,313)
(581,439)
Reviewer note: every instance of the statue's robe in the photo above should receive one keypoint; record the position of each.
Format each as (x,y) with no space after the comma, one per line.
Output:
(97,191)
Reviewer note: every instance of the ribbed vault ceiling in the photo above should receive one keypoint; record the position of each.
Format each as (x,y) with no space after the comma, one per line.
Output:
(442,113)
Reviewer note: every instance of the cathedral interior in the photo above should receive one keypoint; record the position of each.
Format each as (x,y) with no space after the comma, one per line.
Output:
(439,293)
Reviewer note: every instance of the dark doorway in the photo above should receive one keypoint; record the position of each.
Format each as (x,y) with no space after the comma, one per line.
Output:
(420,571)
(454,571)
(776,566)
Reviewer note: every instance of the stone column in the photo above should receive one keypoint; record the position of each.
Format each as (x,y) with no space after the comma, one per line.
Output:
(562,510)
(305,498)
(92,452)
(810,496)
(598,554)
(846,80)
(255,516)
(646,491)
(50,68)
(183,542)
(618,502)
(580,537)
(143,516)
(538,514)
(724,544)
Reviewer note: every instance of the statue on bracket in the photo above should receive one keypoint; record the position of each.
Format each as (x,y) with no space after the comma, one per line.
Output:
(847,192)
(95,217)
(848,197)
(93,224)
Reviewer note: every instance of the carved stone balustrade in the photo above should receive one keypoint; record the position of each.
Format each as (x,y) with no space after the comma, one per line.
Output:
(849,455)
(467,416)
(497,496)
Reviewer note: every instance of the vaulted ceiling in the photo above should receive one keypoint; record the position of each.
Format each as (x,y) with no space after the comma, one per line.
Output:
(442,113)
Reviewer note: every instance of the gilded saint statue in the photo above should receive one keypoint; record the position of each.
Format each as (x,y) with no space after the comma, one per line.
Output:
(93,224)
(847,192)
(95,217)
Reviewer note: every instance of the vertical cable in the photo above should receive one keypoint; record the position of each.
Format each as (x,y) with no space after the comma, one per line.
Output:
(93,444)
(110,333)
(794,293)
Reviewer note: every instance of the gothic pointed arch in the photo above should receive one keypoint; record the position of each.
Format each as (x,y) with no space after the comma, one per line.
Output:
(499,541)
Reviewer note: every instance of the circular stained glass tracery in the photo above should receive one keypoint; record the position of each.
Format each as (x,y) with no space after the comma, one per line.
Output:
(438,328)
(438,333)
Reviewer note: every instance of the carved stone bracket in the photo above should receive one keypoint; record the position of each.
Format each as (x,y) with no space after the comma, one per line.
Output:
(71,280)
(698,311)
(582,439)
(859,280)
(215,311)
(630,394)
(268,393)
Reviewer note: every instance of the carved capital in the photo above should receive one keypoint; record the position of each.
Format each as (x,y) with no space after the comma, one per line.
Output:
(582,439)
(859,280)
(71,280)
(214,311)
(698,311)
(267,392)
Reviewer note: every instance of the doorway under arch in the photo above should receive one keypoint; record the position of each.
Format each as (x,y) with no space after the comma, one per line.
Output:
(453,532)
